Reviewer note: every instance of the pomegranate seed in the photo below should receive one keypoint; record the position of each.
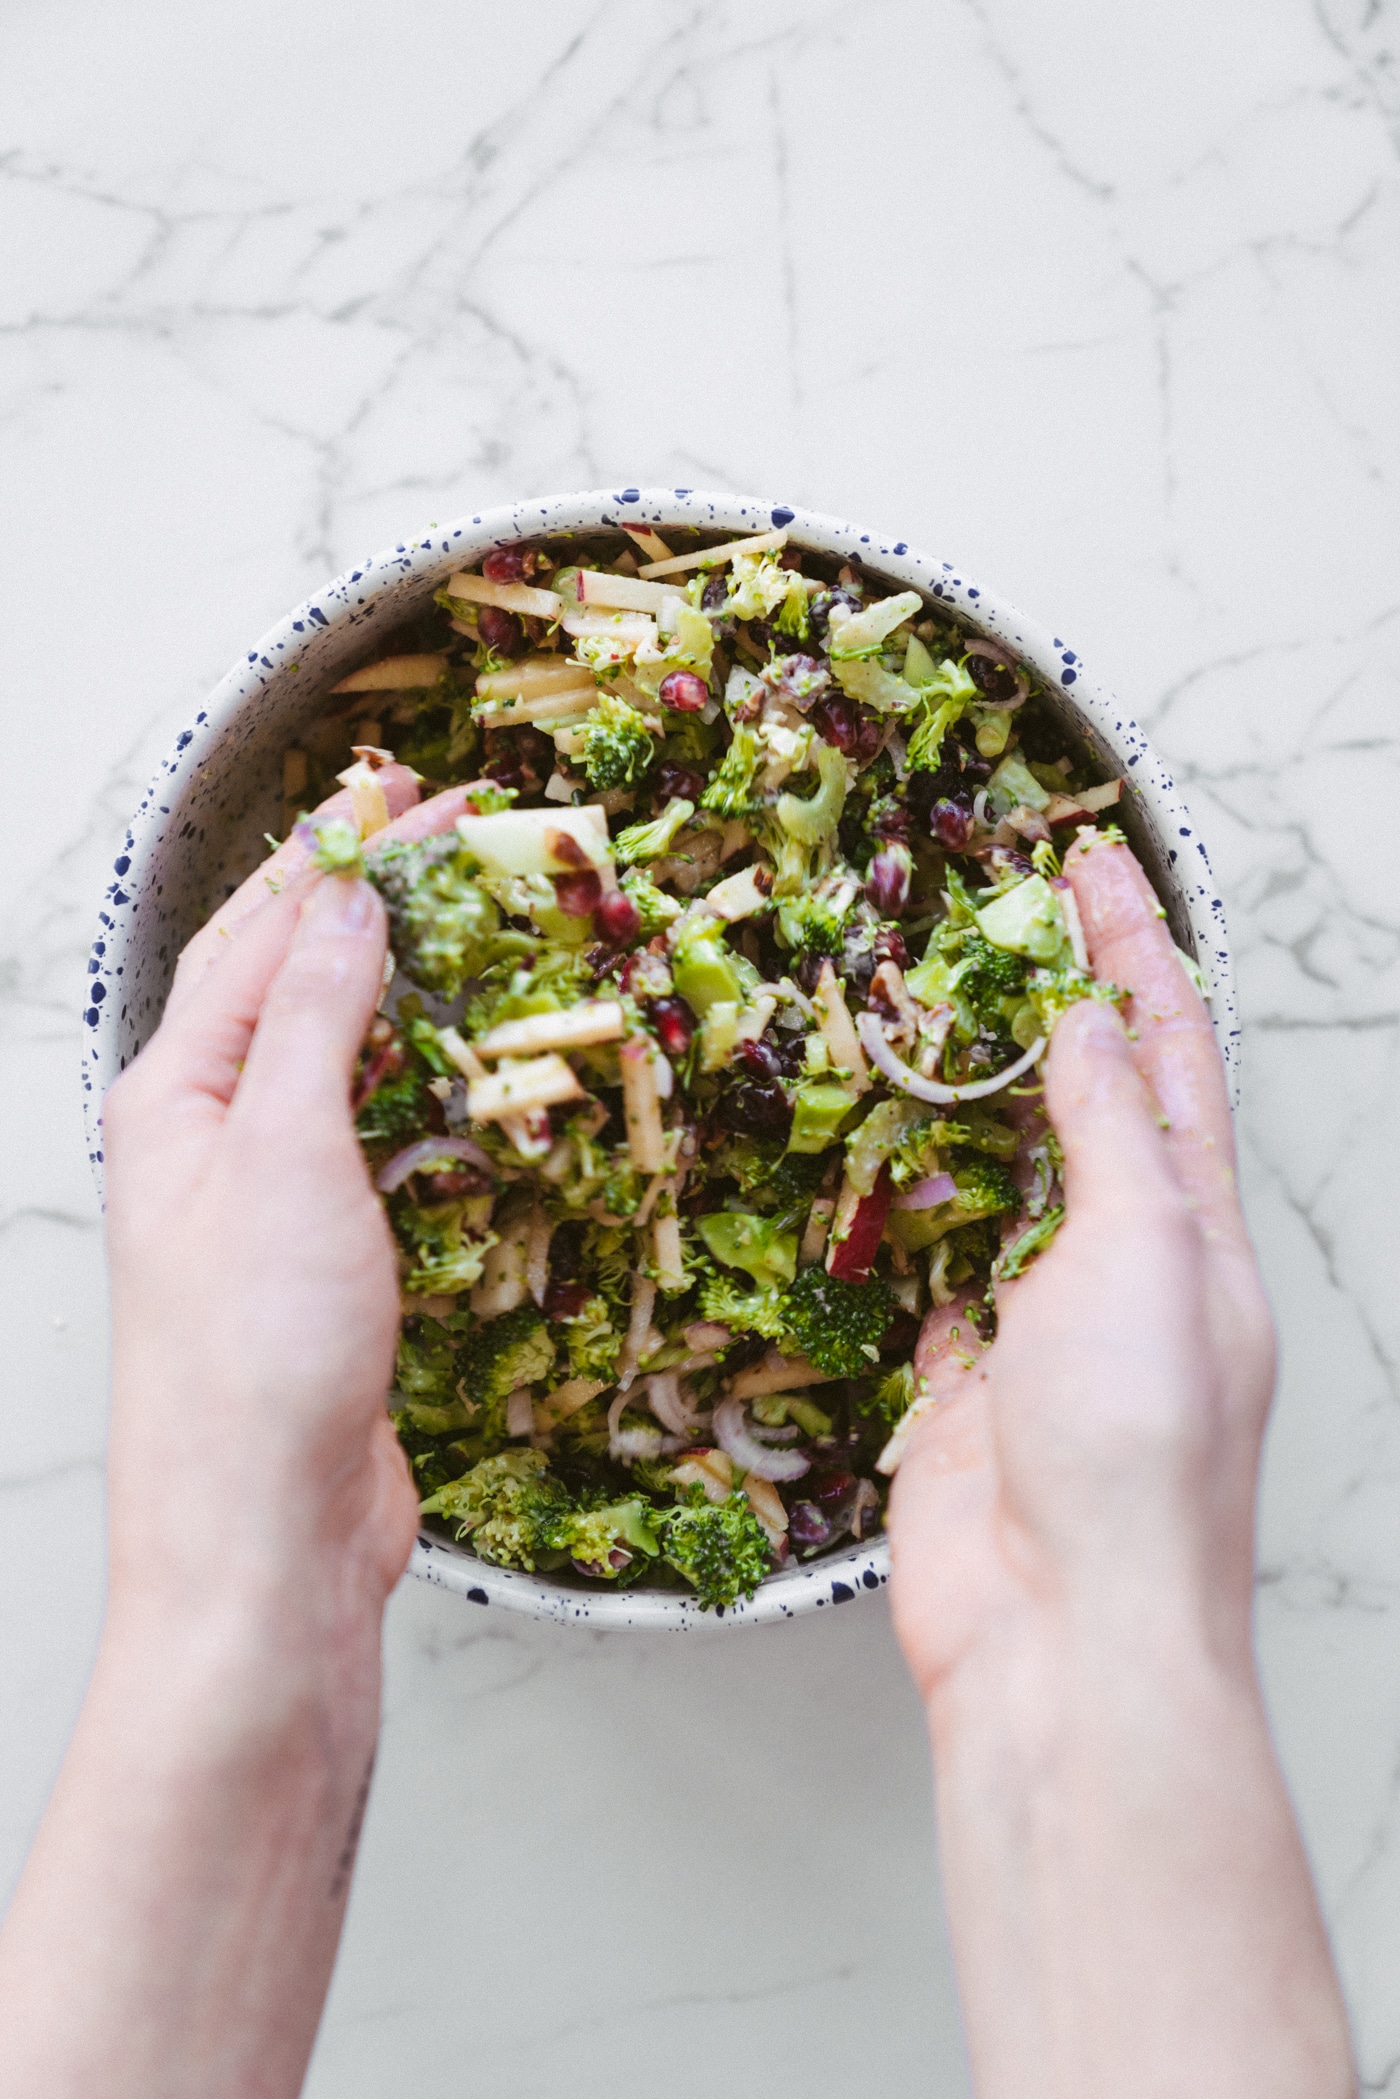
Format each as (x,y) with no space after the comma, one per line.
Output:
(501,631)
(674,1024)
(617,918)
(684,692)
(578,896)
(679,783)
(505,565)
(887,884)
(950,821)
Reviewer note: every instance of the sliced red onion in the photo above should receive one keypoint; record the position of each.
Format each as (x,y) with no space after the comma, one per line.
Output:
(938,1188)
(707,1333)
(668,1404)
(428,1150)
(734,1435)
(877,1048)
(789,1433)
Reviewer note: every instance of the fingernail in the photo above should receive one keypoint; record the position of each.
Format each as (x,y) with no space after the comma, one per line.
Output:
(339,904)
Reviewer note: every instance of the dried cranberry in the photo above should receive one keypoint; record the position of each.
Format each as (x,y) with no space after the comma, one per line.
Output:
(451,1186)
(992,678)
(678,783)
(760,1060)
(578,895)
(617,918)
(807,1526)
(950,822)
(830,1486)
(674,1024)
(386,1063)
(755,1108)
(855,733)
(819,610)
(890,820)
(887,884)
(565,1300)
(501,631)
(505,565)
(1006,860)
(684,692)
(889,947)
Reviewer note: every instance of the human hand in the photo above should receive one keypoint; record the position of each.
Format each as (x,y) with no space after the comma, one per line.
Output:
(255,1297)
(1072,1538)
(1102,1453)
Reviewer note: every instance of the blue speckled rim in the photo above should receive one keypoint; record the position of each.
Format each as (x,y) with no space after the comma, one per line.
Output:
(131,962)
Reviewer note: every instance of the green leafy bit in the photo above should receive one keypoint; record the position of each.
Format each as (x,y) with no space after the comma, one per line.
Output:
(838,1326)
(892,1398)
(338,850)
(762,1246)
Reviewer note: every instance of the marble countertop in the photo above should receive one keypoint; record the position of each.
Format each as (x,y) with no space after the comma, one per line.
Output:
(1100,302)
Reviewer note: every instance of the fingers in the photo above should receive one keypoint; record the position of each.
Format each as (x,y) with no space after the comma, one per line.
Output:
(295,1083)
(1104,1117)
(291,861)
(426,820)
(199,1049)
(1129,945)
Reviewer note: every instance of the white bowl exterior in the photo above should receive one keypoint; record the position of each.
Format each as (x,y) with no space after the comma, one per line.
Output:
(208,803)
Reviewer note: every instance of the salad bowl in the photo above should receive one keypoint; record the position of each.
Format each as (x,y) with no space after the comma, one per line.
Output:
(201,827)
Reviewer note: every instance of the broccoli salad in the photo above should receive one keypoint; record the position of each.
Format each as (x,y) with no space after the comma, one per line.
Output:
(709,1068)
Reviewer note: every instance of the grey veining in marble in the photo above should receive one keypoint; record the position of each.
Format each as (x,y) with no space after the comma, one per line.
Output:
(1102,301)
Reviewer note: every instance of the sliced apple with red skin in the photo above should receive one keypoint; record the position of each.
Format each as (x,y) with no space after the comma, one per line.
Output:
(850,1257)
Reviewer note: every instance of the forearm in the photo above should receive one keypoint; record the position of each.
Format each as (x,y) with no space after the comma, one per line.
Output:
(1129,1904)
(175,1927)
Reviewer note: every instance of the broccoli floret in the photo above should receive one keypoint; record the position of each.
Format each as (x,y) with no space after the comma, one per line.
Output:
(813,925)
(655,909)
(720,1547)
(397,1110)
(758,585)
(606,1540)
(338,849)
(985,1188)
(509,1505)
(838,1326)
(441,921)
(892,1397)
(618,747)
(445,1254)
(743,1311)
(513,1350)
(1051,992)
(792,619)
(796,827)
(651,841)
(763,1247)
(945,699)
(731,791)
(591,1339)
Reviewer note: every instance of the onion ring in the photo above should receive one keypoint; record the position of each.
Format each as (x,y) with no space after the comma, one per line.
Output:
(877,1048)
(732,1432)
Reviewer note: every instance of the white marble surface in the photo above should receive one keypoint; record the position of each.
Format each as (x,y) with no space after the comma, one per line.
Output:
(1102,301)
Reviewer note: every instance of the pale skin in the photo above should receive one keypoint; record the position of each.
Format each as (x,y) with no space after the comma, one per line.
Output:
(1129,1905)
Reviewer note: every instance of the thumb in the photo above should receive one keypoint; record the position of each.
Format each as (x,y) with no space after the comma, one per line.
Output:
(315,1014)
(1104,1117)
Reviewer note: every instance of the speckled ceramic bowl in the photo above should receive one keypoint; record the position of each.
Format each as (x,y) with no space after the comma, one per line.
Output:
(201,825)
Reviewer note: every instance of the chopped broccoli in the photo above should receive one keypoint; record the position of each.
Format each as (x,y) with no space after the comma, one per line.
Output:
(985,1188)
(1017,1257)
(731,791)
(757,586)
(513,1350)
(837,1325)
(397,1110)
(591,1338)
(1027,920)
(792,618)
(655,909)
(618,747)
(441,921)
(338,850)
(720,1547)
(510,1505)
(446,1243)
(743,1311)
(1051,992)
(652,840)
(813,925)
(425,1378)
(795,827)
(892,1398)
(762,1246)
(945,699)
